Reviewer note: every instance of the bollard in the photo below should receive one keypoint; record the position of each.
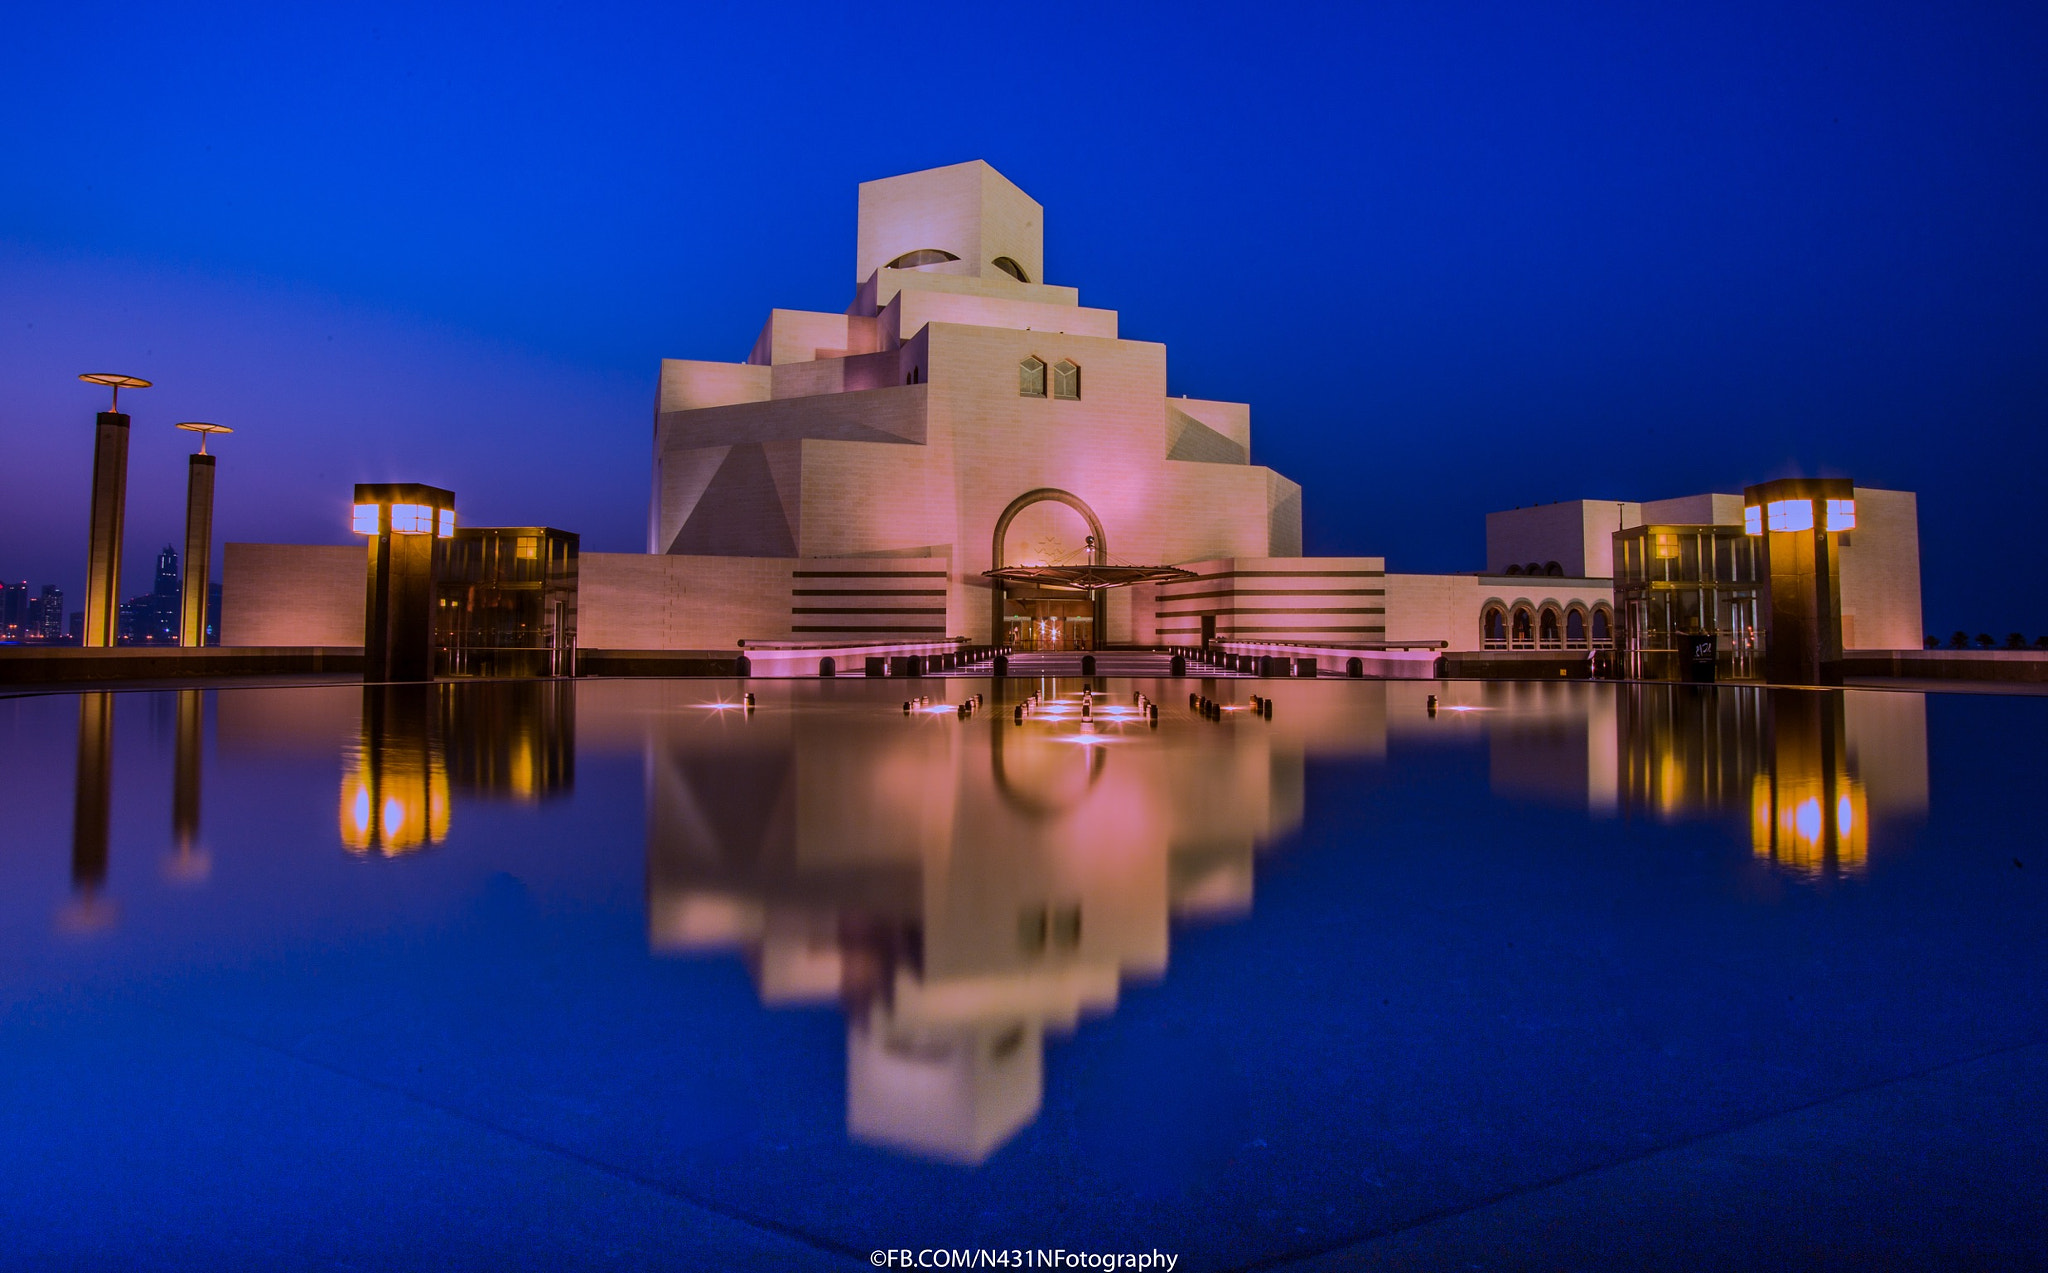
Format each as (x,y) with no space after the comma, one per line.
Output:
(748,699)
(906,707)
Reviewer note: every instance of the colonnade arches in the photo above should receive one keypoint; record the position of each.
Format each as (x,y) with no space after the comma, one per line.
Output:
(1523,624)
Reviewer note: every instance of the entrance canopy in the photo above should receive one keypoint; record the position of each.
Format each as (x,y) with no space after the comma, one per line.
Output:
(1088,577)
(1094,573)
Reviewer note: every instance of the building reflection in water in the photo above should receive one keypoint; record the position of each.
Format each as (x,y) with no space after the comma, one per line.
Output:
(960,891)
(1810,768)
(498,740)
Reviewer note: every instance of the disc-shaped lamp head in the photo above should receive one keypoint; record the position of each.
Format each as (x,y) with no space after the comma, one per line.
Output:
(116,382)
(204,430)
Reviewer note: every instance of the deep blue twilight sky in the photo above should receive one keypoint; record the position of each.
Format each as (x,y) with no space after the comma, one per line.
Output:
(1458,257)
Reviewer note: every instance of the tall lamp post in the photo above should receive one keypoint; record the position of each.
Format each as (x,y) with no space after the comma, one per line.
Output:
(109,509)
(198,537)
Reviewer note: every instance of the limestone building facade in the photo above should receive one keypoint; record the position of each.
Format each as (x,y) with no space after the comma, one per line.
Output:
(857,475)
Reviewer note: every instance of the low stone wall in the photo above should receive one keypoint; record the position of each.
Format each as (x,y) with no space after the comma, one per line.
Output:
(1519,665)
(779,659)
(2026,666)
(33,665)
(1335,660)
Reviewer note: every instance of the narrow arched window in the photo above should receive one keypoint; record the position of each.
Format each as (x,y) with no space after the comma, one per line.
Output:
(923,256)
(1552,569)
(1031,378)
(1514,570)
(1547,633)
(1493,629)
(1575,630)
(1066,380)
(1603,630)
(1523,633)
(1011,268)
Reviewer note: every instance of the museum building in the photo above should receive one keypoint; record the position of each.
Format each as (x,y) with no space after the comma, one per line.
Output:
(969,452)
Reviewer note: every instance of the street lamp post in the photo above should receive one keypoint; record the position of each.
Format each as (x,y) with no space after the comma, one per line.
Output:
(198,537)
(109,510)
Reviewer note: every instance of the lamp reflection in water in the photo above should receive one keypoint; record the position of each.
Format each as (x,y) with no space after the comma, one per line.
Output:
(91,810)
(1809,814)
(188,861)
(422,744)
(1812,769)
(959,890)
(394,785)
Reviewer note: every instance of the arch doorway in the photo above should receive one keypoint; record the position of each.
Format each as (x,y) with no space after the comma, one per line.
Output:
(1040,527)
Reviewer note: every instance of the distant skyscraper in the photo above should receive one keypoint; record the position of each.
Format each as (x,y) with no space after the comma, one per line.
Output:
(152,619)
(52,626)
(13,611)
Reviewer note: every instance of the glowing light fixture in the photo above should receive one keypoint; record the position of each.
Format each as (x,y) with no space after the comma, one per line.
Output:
(1753,520)
(366,519)
(1841,515)
(447,529)
(1791,514)
(412,519)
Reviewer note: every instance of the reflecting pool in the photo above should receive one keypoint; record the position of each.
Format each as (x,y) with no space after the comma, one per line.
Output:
(633,973)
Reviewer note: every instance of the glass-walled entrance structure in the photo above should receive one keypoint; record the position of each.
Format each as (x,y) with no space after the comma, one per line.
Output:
(1675,587)
(505,602)
(1049,623)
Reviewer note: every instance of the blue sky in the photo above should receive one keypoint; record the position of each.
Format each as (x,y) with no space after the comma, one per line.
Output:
(1457,257)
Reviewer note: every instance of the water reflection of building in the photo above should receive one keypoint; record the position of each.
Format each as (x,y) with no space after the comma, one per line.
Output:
(960,891)
(418,743)
(1811,768)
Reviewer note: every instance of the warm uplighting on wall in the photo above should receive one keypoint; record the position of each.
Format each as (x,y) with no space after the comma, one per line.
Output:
(1841,515)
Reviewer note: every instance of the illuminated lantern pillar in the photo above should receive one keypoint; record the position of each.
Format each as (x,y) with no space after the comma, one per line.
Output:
(198,537)
(109,511)
(1799,524)
(406,523)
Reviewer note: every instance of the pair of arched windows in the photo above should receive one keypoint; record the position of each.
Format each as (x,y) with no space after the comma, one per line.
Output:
(1066,379)
(939,256)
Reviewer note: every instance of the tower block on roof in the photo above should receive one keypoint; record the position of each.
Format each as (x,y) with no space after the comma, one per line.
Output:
(967,413)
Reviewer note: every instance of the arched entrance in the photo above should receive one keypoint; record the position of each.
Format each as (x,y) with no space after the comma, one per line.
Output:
(1041,616)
